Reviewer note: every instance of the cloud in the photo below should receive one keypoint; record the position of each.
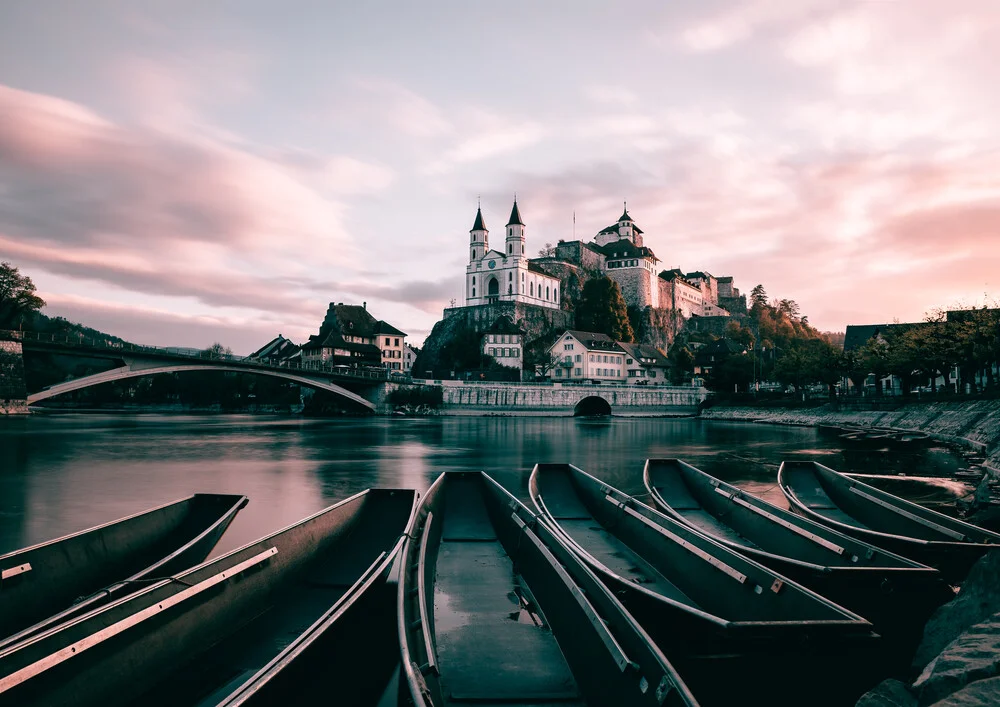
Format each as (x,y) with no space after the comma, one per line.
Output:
(737,24)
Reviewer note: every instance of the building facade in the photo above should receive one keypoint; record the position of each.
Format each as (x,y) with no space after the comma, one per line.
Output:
(409,356)
(392,343)
(506,274)
(585,355)
(349,336)
(505,343)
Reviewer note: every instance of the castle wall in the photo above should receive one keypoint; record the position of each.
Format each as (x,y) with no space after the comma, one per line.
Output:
(580,255)
(636,285)
(13,393)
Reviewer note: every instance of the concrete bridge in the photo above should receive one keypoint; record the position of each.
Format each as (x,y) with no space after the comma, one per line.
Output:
(460,398)
(364,387)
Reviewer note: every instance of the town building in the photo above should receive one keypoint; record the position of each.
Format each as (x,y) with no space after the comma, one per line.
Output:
(392,342)
(504,341)
(350,336)
(507,274)
(586,355)
(712,354)
(645,365)
(409,356)
(279,351)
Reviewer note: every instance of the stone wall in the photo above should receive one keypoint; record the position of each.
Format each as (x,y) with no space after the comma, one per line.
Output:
(636,286)
(499,398)
(578,253)
(974,424)
(13,392)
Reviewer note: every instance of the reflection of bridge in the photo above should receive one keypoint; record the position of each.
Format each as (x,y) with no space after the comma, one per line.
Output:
(150,360)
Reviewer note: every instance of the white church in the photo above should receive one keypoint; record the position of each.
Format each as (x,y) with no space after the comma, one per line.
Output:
(506,275)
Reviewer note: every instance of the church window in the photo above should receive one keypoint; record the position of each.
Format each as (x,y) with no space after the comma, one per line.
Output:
(510,248)
(473,291)
(522,249)
(510,289)
(510,276)
(546,293)
(473,280)
(532,289)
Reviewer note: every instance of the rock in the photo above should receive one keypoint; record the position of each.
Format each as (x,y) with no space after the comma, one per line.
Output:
(888,693)
(977,601)
(974,655)
(981,693)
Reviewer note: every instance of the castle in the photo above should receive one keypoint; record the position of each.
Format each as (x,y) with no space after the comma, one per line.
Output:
(617,251)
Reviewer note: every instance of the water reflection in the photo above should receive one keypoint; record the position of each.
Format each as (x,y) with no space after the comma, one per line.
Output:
(61,473)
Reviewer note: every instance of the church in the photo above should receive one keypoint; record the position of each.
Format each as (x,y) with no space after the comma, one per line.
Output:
(507,274)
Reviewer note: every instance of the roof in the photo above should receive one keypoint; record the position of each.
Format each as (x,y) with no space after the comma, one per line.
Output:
(726,346)
(591,339)
(698,275)
(646,355)
(503,325)
(278,347)
(350,319)
(479,225)
(625,216)
(515,216)
(334,340)
(386,328)
(625,248)
(857,335)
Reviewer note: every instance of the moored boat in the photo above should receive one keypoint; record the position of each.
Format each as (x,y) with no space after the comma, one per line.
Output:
(290,619)
(893,592)
(50,583)
(712,610)
(885,520)
(492,608)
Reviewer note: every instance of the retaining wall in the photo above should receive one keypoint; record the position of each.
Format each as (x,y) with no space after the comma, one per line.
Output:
(13,393)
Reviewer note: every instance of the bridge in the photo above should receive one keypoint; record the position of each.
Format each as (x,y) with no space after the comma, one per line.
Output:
(463,398)
(151,360)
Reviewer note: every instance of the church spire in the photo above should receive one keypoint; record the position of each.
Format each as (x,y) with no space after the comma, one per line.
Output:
(625,216)
(515,215)
(479,225)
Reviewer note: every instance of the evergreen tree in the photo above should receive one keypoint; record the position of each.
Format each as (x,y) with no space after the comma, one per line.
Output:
(17,297)
(602,309)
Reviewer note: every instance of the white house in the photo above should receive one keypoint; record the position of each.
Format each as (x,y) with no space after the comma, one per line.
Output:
(585,355)
(505,343)
(409,356)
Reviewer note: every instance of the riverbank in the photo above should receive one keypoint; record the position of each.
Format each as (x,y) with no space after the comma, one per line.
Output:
(973,425)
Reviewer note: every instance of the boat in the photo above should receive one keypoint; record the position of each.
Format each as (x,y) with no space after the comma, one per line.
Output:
(867,439)
(895,593)
(293,618)
(713,611)
(492,608)
(880,518)
(50,583)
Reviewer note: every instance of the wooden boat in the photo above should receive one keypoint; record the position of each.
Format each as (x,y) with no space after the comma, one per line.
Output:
(712,610)
(50,583)
(290,619)
(883,519)
(493,609)
(891,591)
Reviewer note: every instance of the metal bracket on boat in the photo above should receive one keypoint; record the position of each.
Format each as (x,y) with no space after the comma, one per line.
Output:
(84,644)
(664,688)
(15,571)
(782,522)
(693,549)
(912,516)
(777,585)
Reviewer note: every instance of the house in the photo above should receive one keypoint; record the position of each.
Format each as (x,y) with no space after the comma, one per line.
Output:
(504,341)
(645,365)
(712,354)
(279,351)
(584,355)
(348,336)
(392,342)
(409,356)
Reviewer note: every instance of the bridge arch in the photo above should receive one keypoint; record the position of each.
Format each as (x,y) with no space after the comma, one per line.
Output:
(592,405)
(128,372)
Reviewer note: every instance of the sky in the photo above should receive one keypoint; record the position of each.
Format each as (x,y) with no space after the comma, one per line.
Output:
(181,172)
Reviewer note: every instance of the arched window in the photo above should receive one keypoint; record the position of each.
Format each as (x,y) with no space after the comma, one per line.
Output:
(510,276)
(510,289)
(510,248)
(522,249)
(546,293)
(473,280)
(531,289)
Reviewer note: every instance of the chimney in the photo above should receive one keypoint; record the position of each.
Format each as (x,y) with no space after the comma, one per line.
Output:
(365,305)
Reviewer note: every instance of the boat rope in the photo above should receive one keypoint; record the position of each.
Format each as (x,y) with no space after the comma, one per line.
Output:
(149,580)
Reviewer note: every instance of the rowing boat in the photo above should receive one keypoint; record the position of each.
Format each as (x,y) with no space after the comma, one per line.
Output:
(50,583)
(894,593)
(710,609)
(295,617)
(885,520)
(493,609)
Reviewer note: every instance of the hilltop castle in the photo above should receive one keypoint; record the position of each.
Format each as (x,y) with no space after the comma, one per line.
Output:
(617,251)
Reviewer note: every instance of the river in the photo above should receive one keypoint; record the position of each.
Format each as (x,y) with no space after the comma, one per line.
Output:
(64,472)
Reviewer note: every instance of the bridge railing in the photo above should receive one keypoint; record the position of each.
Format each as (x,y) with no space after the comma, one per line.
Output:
(81,341)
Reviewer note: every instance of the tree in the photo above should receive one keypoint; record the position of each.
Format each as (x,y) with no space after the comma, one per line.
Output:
(602,309)
(548,251)
(758,297)
(217,350)
(17,297)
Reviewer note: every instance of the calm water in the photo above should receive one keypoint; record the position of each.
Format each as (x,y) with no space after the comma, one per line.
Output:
(61,473)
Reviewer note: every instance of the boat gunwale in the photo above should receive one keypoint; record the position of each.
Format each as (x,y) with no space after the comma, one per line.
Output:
(912,566)
(793,498)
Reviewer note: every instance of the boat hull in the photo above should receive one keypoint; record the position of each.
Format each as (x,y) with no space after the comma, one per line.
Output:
(69,576)
(882,519)
(245,628)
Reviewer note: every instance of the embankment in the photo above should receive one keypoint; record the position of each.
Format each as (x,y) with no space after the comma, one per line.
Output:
(974,424)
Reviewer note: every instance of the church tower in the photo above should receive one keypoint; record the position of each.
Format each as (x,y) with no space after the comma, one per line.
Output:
(515,233)
(479,237)
(625,224)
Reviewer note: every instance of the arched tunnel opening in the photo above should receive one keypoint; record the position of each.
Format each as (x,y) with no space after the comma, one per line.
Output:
(592,406)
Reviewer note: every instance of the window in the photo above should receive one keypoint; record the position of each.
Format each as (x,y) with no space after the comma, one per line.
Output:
(628,361)
(473,291)
(546,293)
(577,358)
(510,249)
(576,371)
(395,342)
(652,374)
(591,358)
(387,341)
(510,276)
(532,289)
(510,289)
(515,352)
(558,373)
